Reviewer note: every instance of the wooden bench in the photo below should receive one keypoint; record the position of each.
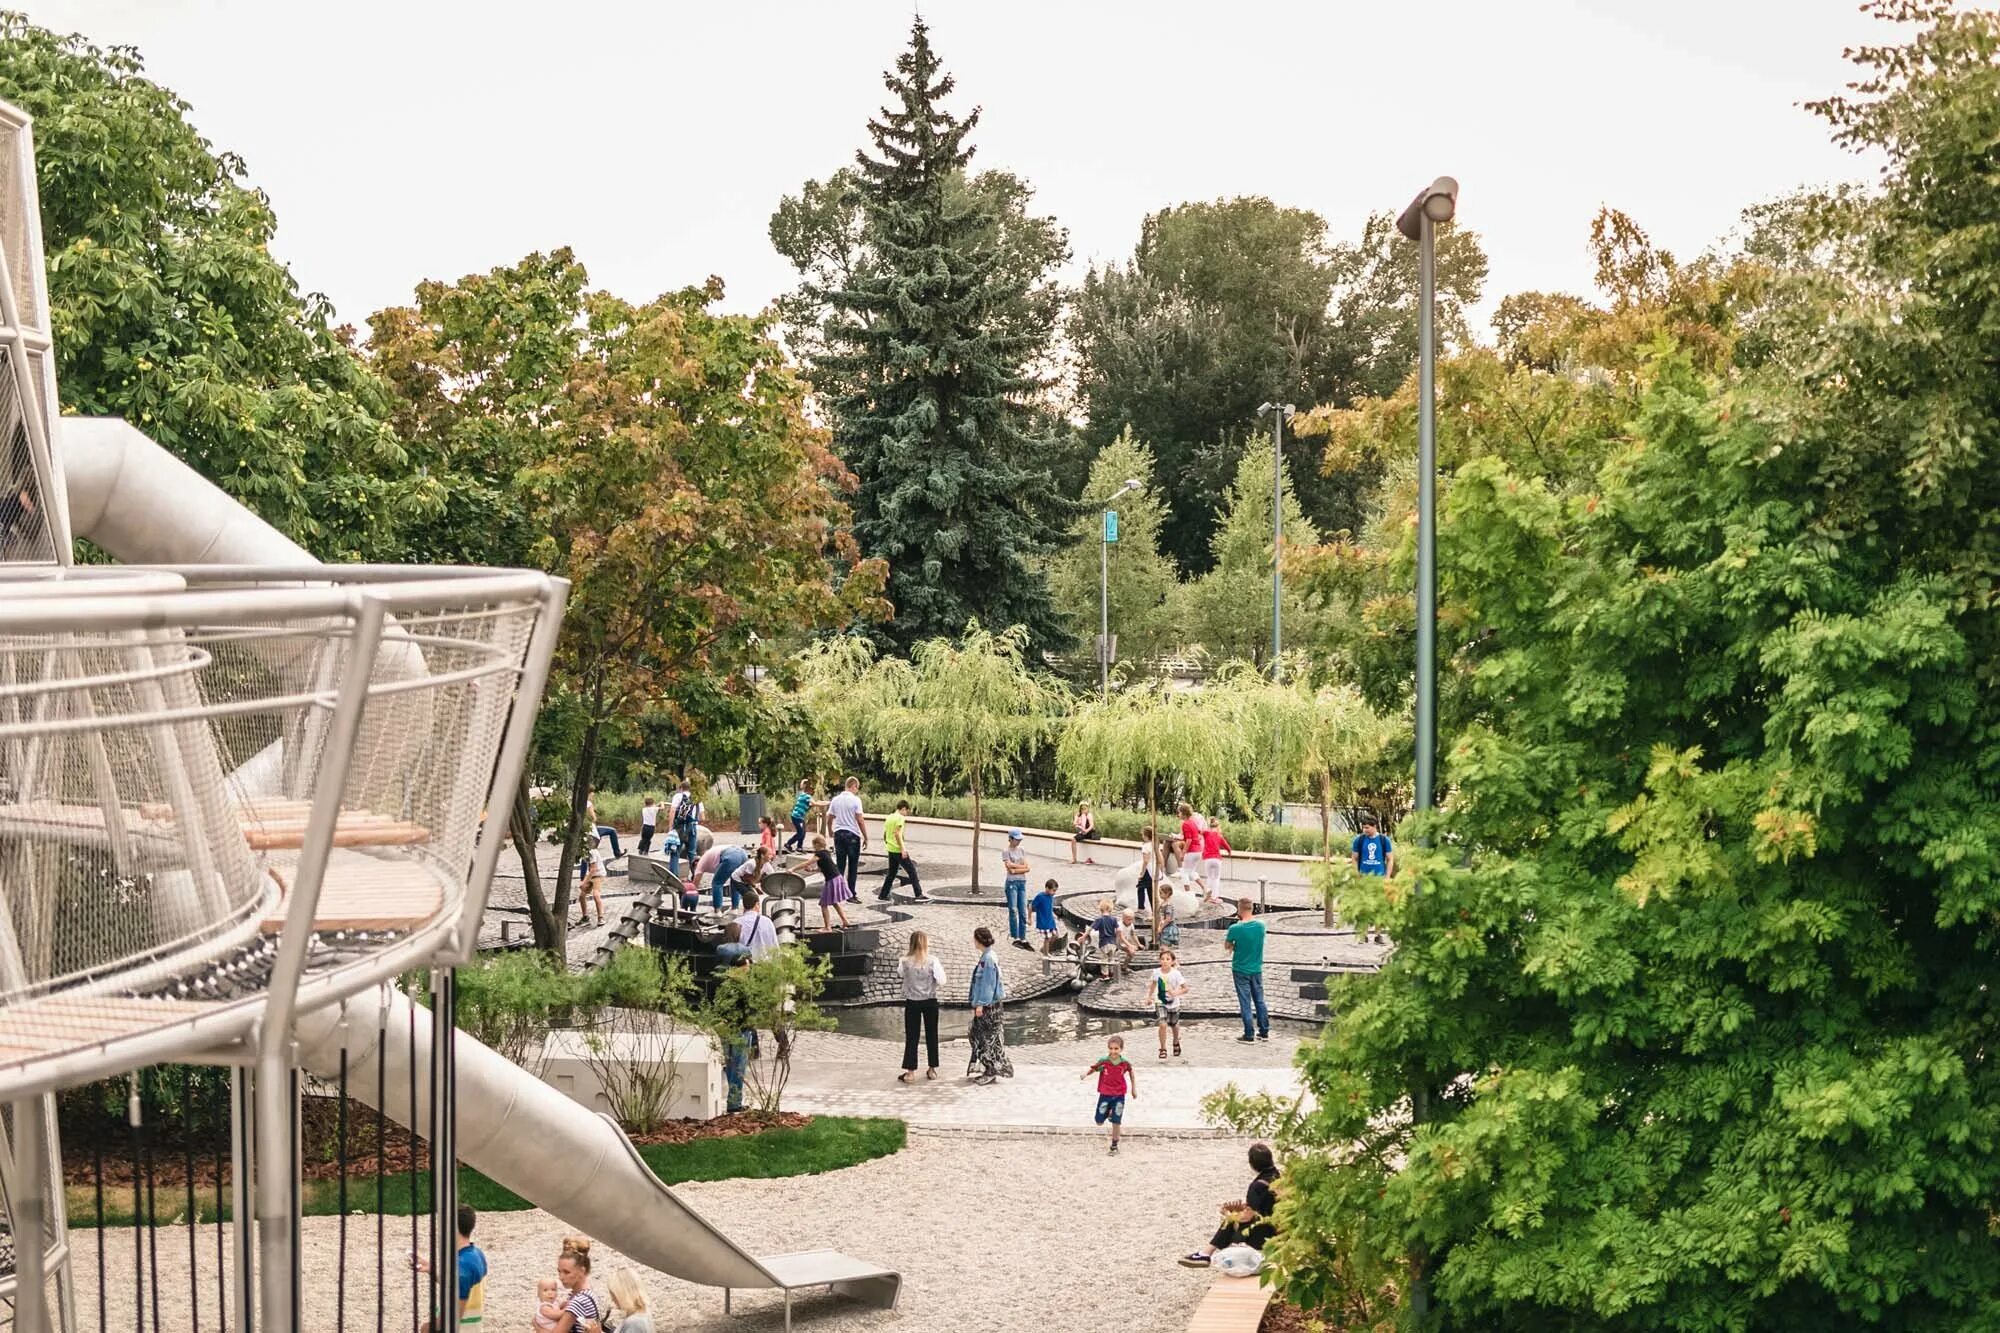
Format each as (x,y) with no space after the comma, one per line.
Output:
(1231,1305)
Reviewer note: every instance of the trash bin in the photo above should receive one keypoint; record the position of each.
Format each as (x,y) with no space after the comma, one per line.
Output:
(749,809)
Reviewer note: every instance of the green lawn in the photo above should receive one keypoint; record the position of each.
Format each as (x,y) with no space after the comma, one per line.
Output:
(829,1143)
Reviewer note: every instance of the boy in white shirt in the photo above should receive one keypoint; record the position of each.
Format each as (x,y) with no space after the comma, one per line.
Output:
(1168,988)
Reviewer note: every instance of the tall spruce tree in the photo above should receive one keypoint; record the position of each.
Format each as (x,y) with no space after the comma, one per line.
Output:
(931,385)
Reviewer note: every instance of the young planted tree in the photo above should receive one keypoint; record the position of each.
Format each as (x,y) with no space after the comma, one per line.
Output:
(971,711)
(1324,741)
(1227,610)
(1154,740)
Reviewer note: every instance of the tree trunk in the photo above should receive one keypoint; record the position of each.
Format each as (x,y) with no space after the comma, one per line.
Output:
(975,830)
(1159,862)
(579,798)
(521,822)
(1326,837)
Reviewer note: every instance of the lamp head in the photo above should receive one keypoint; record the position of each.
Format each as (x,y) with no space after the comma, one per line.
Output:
(1438,202)
(1131,484)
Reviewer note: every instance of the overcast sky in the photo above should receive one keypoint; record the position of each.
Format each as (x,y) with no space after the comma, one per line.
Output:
(432,138)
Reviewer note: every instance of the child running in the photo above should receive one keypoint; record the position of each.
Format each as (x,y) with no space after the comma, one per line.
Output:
(1169,985)
(1116,1078)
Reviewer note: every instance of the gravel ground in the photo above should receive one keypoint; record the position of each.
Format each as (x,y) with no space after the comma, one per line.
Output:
(985,1230)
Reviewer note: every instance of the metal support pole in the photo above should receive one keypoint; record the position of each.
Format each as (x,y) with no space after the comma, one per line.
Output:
(242,1170)
(276,1151)
(31,1232)
(1426,519)
(1262,880)
(1103,609)
(444,1145)
(1277,543)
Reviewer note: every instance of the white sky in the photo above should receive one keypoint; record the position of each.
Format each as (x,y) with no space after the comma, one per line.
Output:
(432,138)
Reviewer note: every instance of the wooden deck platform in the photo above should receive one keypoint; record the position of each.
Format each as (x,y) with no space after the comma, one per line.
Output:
(367,893)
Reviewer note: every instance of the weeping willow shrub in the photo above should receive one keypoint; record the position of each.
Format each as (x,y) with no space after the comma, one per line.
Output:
(830,679)
(1150,738)
(1326,741)
(969,712)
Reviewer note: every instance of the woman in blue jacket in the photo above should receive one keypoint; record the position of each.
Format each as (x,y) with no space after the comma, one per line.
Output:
(988,992)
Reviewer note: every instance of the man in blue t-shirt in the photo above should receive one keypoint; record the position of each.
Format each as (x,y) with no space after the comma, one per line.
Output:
(471,1272)
(1374,854)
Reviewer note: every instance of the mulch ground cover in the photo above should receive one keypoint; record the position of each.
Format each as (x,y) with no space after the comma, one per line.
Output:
(400,1151)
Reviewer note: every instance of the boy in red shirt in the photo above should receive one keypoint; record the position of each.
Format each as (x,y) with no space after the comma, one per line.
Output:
(1115,1079)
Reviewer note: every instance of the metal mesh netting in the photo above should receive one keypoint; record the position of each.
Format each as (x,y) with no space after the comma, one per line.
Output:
(117,844)
(157,791)
(24,529)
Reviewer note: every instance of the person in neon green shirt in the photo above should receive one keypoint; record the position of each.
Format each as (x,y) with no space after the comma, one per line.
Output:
(899,859)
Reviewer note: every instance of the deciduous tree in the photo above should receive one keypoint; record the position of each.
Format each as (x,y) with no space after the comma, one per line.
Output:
(660,459)
(170,311)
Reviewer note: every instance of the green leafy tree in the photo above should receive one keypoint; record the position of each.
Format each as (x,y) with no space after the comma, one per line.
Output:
(1238,302)
(969,711)
(1227,611)
(929,378)
(1702,990)
(1138,578)
(661,460)
(170,311)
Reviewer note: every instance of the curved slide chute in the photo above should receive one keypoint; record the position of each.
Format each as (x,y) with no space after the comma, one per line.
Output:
(534,1140)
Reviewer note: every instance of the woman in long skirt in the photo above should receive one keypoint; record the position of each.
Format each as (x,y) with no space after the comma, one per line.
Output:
(988,1050)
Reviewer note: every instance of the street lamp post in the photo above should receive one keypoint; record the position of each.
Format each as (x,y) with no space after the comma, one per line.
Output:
(1280,413)
(1436,203)
(1104,593)
(1433,205)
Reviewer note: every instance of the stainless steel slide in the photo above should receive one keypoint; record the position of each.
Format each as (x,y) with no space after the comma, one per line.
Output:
(537,1142)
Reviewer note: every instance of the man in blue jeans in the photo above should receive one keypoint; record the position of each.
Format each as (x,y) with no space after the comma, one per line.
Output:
(1244,943)
(1014,861)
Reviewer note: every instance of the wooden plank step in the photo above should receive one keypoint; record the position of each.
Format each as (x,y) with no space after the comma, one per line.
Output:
(361,831)
(57,1023)
(1231,1305)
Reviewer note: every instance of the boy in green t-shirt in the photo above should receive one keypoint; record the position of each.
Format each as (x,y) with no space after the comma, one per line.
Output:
(899,859)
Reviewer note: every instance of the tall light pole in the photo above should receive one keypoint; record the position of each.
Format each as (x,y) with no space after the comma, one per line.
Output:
(1104,540)
(1434,204)
(1280,413)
